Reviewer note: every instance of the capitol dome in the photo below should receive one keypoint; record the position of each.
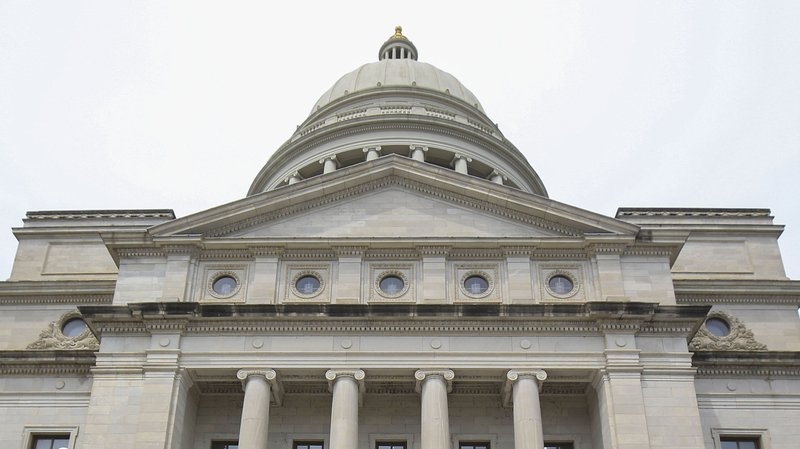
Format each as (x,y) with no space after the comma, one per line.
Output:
(399,106)
(397,72)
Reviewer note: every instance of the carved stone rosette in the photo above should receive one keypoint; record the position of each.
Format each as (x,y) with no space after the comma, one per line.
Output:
(52,337)
(739,339)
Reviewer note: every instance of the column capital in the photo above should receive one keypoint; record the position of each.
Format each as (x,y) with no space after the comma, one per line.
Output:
(332,157)
(512,376)
(371,148)
(296,175)
(269,375)
(458,156)
(423,374)
(418,147)
(357,374)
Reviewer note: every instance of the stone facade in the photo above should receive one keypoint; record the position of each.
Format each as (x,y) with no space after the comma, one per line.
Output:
(398,274)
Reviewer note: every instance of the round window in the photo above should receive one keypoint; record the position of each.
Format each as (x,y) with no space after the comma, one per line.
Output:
(718,327)
(224,285)
(392,285)
(476,285)
(73,327)
(560,285)
(307,285)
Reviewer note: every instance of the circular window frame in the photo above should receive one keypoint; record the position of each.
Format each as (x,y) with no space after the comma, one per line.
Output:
(389,273)
(563,273)
(735,327)
(303,274)
(66,318)
(479,273)
(221,274)
(724,321)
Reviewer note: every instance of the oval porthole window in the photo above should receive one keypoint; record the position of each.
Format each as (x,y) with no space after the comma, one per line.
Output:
(391,285)
(476,285)
(307,285)
(560,285)
(718,327)
(224,285)
(74,327)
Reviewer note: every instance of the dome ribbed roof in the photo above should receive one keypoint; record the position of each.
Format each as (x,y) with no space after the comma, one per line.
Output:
(397,73)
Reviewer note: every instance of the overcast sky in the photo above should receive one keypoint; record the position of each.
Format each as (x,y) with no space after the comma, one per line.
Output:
(156,104)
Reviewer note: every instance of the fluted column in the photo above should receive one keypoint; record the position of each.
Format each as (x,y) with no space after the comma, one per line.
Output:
(372,152)
(346,386)
(257,384)
(418,152)
(433,386)
(525,386)
(329,164)
(460,163)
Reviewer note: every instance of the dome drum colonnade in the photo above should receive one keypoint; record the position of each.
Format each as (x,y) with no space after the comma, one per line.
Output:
(398,106)
(433,385)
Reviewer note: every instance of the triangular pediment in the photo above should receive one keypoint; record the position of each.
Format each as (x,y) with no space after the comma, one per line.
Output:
(394,197)
(394,211)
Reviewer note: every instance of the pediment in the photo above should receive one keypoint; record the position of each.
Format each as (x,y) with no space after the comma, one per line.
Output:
(394,197)
(394,211)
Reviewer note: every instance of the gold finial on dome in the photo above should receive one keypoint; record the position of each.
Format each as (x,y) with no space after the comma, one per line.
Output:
(398,32)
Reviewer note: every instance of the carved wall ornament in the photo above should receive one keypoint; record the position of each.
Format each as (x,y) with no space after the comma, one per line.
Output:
(740,337)
(52,336)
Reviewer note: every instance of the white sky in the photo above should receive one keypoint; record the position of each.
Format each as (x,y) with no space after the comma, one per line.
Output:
(155,104)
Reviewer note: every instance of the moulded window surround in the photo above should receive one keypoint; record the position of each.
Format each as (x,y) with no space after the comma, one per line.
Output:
(32,434)
(757,438)
(306,441)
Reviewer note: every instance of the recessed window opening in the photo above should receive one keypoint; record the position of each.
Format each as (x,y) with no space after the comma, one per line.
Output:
(739,443)
(391,445)
(473,445)
(476,285)
(307,285)
(391,285)
(224,445)
(308,445)
(558,445)
(560,284)
(51,442)
(224,285)
(73,327)
(718,327)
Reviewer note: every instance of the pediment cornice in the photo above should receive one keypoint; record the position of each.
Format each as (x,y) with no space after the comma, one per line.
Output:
(393,171)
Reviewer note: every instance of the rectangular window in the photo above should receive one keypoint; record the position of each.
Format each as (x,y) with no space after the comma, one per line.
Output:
(558,445)
(390,445)
(50,442)
(225,445)
(473,445)
(739,443)
(308,445)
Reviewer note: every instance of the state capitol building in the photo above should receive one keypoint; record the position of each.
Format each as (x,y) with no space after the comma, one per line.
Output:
(397,277)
